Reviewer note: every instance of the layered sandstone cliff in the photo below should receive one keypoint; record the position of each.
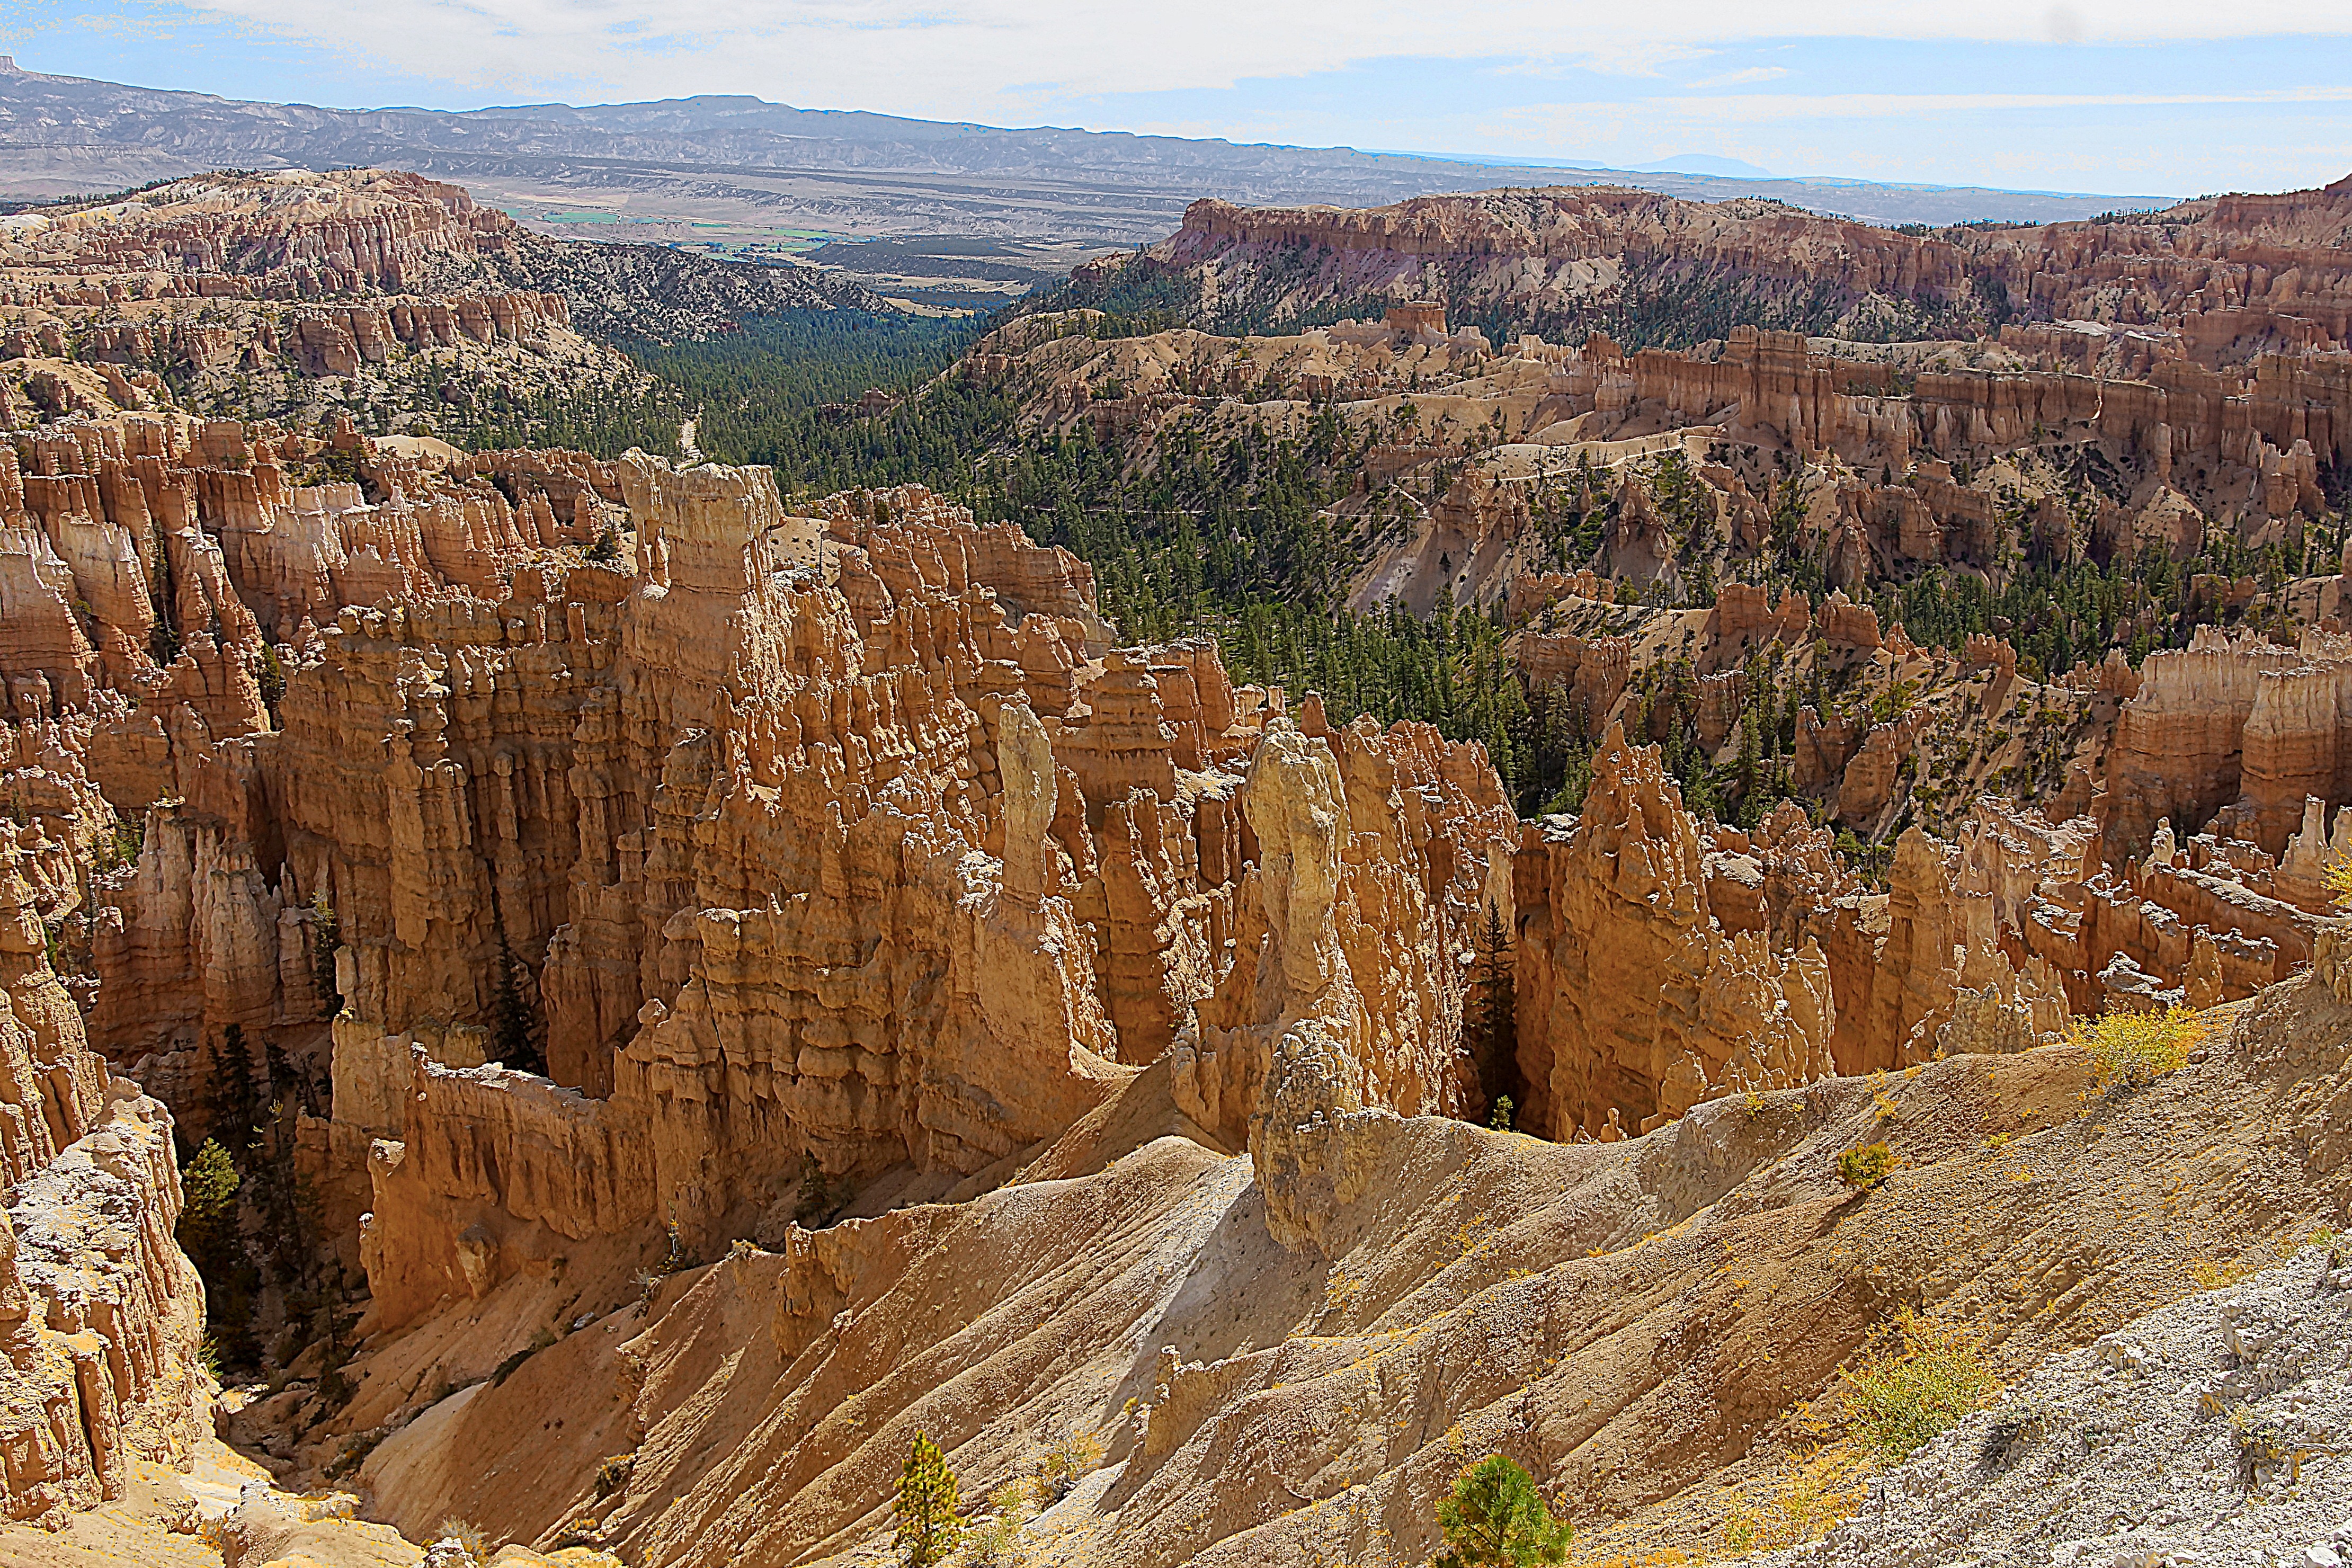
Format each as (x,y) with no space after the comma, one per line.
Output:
(301,295)
(832,845)
(2224,278)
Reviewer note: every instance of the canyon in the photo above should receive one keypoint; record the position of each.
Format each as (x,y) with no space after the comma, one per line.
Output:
(849,873)
(1990,532)
(719,980)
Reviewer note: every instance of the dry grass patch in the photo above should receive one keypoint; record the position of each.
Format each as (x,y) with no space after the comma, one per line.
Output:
(1798,1503)
(1056,1471)
(1912,1380)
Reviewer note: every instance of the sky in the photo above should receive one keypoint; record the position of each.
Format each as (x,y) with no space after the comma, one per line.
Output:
(2156,96)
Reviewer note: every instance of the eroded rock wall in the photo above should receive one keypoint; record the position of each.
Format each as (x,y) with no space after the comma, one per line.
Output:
(822,847)
(101,1314)
(1635,1002)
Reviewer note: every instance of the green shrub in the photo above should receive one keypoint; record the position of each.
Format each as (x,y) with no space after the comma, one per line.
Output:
(2338,875)
(2134,1049)
(1913,1380)
(998,1544)
(1865,1166)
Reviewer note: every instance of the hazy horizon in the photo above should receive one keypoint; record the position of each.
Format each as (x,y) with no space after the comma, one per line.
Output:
(2162,100)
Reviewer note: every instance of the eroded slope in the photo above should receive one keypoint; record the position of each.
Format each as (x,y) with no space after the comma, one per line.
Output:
(1636,1321)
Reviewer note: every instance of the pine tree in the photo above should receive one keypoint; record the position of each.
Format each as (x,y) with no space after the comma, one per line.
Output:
(284,1082)
(277,1190)
(1495,1517)
(233,1100)
(926,1509)
(272,678)
(210,1232)
(208,1215)
(510,1020)
(164,638)
(1490,1022)
(326,936)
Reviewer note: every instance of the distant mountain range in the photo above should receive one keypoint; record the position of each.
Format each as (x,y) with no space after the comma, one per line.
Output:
(1705,164)
(737,165)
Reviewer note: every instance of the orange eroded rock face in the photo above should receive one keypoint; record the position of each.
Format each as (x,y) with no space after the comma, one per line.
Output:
(100,1312)
(888,940)
(832,845)
(1636,1002)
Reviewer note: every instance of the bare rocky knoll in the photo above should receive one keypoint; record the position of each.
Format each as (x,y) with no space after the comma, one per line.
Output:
(387,297)
(743,160)
(953,1019)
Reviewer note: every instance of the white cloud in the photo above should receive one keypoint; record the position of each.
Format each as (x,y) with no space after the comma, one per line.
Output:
(1755,108)
(1661,120)
(1743,77)
(973,58)
(1634,55)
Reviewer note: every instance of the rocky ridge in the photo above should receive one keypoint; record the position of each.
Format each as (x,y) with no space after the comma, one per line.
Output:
(2244,267)
(386,296)
(101,1314)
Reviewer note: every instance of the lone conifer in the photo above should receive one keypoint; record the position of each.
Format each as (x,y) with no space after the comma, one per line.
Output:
(926,1509)
(1490,1016)
(510,1020)
(1495,1517)
(326,936)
